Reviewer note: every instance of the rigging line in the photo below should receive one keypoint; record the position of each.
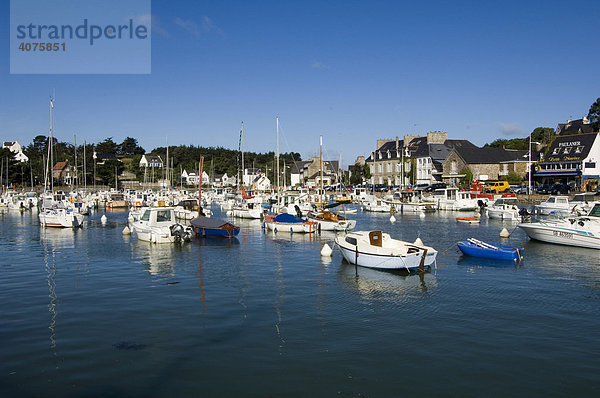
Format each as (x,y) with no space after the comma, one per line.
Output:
(290,152)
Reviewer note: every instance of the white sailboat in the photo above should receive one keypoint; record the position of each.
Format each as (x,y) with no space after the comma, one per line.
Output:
(327,220)
(56,214)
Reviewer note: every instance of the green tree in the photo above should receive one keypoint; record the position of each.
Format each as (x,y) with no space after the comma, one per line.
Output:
(107,146)
(594,115)
(467,179)
(130,147)
(367,172)
(512,178)
(543,135)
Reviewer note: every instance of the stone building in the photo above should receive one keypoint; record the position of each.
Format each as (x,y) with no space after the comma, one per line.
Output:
(418,158)
(483,163)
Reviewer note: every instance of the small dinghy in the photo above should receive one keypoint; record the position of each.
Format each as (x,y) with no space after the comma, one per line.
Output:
(477,248)
(468,220)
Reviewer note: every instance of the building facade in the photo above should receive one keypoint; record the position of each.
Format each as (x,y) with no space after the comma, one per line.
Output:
(571,159)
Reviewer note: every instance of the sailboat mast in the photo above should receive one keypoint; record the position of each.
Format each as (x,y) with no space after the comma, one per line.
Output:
(200,185)
(75,171)
(277,157)
(84,169)
(166,165)
(242,143)
(50,158)
(321,167)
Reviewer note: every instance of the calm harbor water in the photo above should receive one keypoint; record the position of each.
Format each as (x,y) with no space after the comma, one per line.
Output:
(93,313)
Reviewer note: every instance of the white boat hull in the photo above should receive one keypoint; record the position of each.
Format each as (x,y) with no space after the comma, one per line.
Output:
(562,234)
(254,214)
(503,214)
(60,218)
(393,254)
(154,234)
(303,228)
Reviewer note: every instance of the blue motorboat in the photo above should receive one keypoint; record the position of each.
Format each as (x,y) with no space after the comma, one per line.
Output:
(477,248)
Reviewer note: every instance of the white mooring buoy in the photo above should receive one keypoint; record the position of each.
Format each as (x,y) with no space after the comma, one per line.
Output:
(504,233)
(126,231)
(103,219)
(392,218)
(422,214)
(326,251)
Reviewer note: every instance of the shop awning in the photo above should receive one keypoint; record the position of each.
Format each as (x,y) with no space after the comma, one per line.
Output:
(556,173)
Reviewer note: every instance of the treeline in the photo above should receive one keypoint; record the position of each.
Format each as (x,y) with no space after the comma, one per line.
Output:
(543,135)
(128,154)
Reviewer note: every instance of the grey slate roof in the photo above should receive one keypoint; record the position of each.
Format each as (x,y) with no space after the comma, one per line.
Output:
(489,155)
(571,147)
(573,127)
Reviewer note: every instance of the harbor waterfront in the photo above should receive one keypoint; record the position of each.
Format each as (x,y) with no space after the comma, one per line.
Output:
(92,312)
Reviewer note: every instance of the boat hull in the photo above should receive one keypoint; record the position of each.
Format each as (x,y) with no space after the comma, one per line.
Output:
(503,214)
(502,253)
(390,256)
(410,261)
(561,235)
(303,228)
(468,220)
(60,219)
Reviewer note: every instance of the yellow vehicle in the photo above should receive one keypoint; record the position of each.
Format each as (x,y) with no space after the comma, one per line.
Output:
(497,186)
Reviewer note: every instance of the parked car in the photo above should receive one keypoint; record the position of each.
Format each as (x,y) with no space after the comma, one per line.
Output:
(420,187)
(437,185)
(497,186)
(545,188)
(559,189)
(519,189)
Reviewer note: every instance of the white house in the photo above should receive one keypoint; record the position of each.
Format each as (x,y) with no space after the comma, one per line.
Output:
(261,183)
(151,161)
(15,148)
(223,180)
(190,177)
(250,175)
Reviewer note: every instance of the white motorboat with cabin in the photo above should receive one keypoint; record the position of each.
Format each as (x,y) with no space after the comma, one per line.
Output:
(452,198)
(60,218)
(504,209)
(158,225)
(376,249)
(580,231)
(410,201)
(554,204)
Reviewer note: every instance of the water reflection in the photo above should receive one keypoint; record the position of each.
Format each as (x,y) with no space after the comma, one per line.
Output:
(280,297)
(58,238)
(476,263)
(50,268)
(373,284)
(158,259)
(201,286)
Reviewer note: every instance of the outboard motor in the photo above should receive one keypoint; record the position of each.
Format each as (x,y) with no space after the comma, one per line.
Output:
(181,233)
(298,211)
(481,204)
(524,212)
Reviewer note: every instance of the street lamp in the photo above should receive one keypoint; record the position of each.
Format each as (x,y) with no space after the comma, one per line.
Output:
(529,164)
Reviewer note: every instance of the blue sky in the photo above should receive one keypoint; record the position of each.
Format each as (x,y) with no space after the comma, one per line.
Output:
(352,71)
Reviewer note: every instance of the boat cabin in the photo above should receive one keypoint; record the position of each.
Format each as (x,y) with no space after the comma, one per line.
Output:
(158,216)
(505,201)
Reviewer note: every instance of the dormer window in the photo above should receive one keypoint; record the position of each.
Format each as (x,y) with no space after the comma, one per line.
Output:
(579,149)
(567,150)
